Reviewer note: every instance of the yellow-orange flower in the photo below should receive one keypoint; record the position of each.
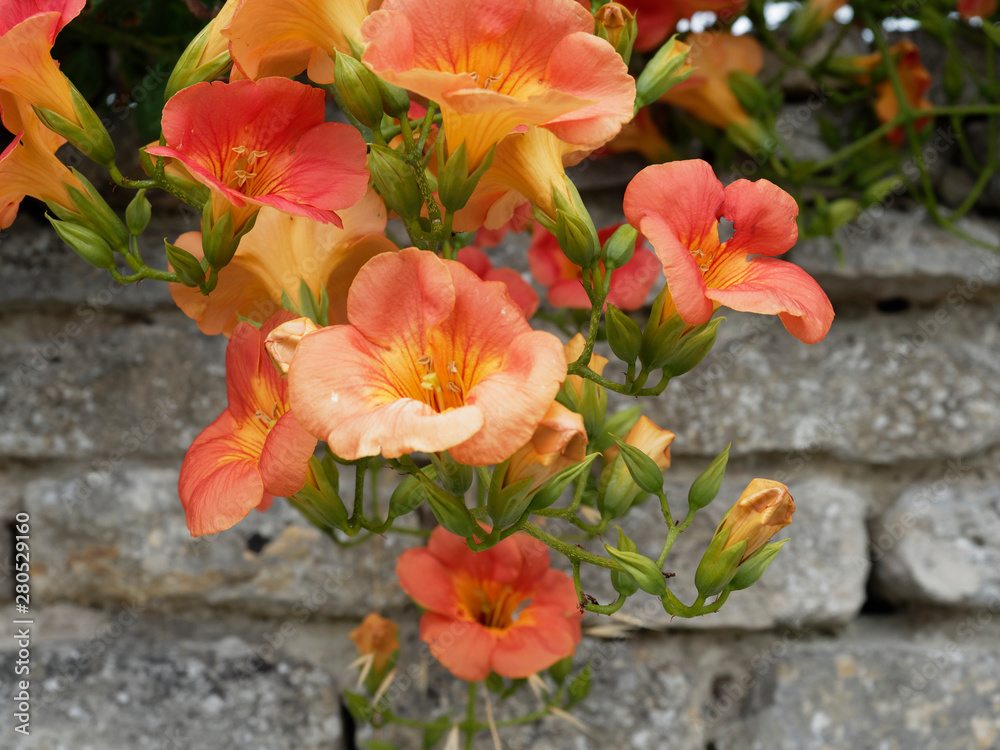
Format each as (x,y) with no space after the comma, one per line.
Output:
(912,75)
(285,37)
(764,509)
(376,635)
(650,439)
(280,252)
(560,440)
(494,67)
(28,166)
(26,65)
(706,93)
(434,359)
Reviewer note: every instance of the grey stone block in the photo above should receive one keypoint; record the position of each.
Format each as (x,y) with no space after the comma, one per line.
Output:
(885,695)
(114,688)
(895,253)
(940,543)
(921,385)
(819,578)
(121,537)
(37,270)
(107,386)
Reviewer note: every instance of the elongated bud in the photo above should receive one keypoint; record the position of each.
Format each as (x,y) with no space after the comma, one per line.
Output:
(668,67)
(90,204)
(641,467)
(616,23)
(620,247)
(395,100)
(574,227)
(138,213)
(624,335)
(692,348)
(764,508)
(455,477)
(407,497)
(90,137)
(642,569)
(395,182)
(449,510)
(192,67)
(622,582)
(359,90)
(455,184)
(706,486)
(85,242)
(186,266)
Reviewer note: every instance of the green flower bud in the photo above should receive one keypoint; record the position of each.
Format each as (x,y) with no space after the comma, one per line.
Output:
(394,180)
(90,137)
(90,205)
(667,68)
(85,242)
(358,90)
(449,510)
(718,565)
(706,486)
(615,23)
(407,497)
(692,348)
(455,185)
(186,266)
(619,248)
(643,469)
(624,335)
(395,100)
(622,582)
(138,213)
(749,91)
(642,569)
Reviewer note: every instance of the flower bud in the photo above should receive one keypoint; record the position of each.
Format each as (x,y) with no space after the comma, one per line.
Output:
(616,23)
(358,90)
(394,180)
(138,213)
(764,508)
(395,100)
(619,248)
(618,488)
(624,336)
(455,184)
(574,227)
(560,440)
(449,510)
(642,569)
(668,67)
(622,582)
(203,60)
(85,242)
(185,265)
(749,91)
(706,486)
(692,348)
(282,342)
(407,497)
(90,205)
(90,137)
(455,477)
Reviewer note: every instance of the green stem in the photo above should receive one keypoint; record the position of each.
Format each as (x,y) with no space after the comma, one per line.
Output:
(672,534)
(569,550)
(470,717)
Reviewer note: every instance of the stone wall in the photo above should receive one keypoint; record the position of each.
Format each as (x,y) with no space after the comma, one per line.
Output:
(877,627)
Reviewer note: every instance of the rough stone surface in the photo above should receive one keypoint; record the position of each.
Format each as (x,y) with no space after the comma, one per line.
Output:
(106,386)
(879,695)
(116,688)
(921,385)
(818,578)
(122,537)
(38,271)
(940,543)
(903,254)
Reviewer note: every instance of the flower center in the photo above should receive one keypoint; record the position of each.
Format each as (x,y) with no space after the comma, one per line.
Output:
(490,603)
(441,390)
(246,166)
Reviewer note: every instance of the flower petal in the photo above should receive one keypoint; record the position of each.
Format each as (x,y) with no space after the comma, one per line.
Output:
(763,217)
(284,462)
(428,581)
(463,647)
(777,287)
